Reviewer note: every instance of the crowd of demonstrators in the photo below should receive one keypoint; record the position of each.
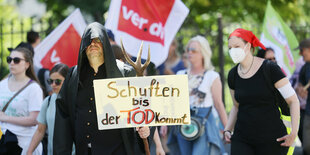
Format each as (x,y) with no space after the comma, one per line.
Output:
(15,118)
(20,101)
(204,91)
(68,113)
(255,118)
(46,117)
(174,61)
(303,91)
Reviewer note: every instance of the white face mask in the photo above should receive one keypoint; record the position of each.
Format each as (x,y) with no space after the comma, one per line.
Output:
(237,54)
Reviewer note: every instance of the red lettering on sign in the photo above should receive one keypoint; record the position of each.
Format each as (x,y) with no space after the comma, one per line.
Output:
(134,117)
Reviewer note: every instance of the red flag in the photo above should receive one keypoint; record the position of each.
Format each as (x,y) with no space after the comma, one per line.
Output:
(153,21)
(62,45)
(148,23)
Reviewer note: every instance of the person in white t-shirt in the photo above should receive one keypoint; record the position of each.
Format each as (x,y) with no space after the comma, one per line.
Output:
(205,91)
(20,115)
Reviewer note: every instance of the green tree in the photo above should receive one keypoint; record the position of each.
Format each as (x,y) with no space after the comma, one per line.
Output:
(7,14)
(95,8)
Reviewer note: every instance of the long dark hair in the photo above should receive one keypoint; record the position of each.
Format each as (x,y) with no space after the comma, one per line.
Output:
(60,68)
(28,58)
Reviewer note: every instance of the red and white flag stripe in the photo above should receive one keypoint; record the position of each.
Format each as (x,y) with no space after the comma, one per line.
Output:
(154,22)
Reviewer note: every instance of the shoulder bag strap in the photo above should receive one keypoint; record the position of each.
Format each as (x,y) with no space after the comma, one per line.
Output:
(7,104)
(209,112)
(207,116)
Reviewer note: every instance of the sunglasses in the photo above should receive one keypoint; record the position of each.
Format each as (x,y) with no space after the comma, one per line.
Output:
(51,81)
(16,60)
(272,59)
(191,49)
(96,40)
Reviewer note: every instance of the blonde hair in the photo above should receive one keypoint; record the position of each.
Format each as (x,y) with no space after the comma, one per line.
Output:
(205,50)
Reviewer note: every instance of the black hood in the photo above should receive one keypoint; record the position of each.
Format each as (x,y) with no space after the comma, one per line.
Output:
(97,30)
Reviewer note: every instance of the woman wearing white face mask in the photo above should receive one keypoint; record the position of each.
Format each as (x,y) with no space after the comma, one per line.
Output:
(255,117)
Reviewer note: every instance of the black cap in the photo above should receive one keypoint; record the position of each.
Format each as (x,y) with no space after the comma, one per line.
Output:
(303,44)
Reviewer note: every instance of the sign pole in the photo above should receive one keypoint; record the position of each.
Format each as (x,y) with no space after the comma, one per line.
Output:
(139,68)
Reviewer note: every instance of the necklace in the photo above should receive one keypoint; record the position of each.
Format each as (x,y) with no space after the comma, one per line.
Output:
(248,69)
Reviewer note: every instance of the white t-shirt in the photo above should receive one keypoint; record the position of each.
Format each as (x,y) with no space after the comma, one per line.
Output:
(203,84)
(30,99)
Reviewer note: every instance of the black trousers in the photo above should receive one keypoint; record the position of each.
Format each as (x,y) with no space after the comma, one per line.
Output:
(89,151)
(301,124)
(241,148)
(119,151)
(9,144)
(10,149)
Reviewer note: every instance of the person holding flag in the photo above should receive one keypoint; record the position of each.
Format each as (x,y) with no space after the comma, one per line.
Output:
(254,125)
(76,118)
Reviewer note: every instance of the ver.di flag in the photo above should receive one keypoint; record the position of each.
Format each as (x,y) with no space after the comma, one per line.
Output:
(154,22)
(62,44)
(277,35)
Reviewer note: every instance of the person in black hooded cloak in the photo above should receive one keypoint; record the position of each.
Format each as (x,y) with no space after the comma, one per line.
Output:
(76,119)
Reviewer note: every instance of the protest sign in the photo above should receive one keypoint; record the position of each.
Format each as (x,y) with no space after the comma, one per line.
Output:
(142,101)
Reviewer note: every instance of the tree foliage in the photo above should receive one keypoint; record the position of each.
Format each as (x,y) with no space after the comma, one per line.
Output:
(204,15)
(7,17)
(95,8)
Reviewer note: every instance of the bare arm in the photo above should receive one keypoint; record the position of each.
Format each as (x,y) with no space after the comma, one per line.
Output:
(37,138)
(216,90)
(232,117)
(159,147)
(22,121)
(293,103)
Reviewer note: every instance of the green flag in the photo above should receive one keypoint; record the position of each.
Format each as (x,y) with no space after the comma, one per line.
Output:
(277,35)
